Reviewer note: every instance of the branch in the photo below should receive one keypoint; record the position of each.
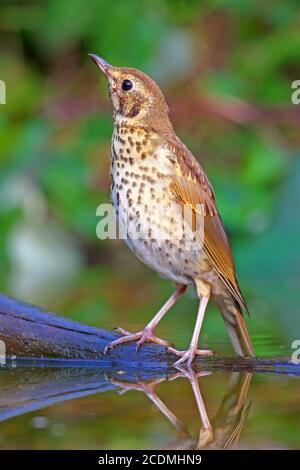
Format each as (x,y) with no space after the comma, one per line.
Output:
(30,332)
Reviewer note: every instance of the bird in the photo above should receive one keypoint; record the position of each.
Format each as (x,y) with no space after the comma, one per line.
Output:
(167,213)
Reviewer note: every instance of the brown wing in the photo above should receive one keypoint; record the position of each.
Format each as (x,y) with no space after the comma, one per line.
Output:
(191,186)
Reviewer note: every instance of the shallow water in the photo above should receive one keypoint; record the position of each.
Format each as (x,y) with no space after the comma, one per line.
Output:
(113,408)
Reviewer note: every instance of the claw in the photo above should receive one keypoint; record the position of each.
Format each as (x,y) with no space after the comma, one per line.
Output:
(142,336)
(187,357)
(142,386)
(121,331)
(187,372)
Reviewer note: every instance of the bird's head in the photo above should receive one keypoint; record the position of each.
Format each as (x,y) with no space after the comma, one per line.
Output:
(134,95)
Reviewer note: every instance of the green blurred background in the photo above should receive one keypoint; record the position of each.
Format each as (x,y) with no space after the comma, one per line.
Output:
(226,68)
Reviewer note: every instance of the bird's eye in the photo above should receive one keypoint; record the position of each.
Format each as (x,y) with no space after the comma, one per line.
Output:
(127,85)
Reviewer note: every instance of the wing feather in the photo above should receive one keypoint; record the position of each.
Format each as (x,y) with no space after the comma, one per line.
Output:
(190,186)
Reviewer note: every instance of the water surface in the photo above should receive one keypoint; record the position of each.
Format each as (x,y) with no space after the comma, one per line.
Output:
(75,407)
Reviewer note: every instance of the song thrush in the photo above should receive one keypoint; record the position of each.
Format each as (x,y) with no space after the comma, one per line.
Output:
(154,178)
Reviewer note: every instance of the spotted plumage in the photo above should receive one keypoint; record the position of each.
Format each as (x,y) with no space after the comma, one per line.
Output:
(166,208)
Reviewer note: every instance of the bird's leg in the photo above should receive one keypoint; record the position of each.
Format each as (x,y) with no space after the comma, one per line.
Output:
(147,333)
(188,356)
(206,432)
(148,388)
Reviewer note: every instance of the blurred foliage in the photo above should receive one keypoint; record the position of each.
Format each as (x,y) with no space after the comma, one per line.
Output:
(226,68)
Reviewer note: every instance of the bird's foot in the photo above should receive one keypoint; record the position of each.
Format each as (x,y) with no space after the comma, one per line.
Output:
(188,373)
(141,386)
(187,357)
(140,337)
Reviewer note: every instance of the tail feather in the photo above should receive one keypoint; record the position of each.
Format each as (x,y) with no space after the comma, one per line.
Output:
(235,324)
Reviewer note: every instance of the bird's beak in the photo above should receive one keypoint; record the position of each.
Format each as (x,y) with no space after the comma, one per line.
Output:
(101,63)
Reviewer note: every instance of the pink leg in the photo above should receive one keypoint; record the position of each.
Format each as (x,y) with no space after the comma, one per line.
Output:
(149,389)
(147,333)
(189,355)
(206,433)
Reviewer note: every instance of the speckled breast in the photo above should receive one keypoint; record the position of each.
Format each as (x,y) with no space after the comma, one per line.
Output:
(149,219)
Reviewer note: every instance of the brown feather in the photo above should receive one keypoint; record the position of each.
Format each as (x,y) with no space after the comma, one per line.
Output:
(191,186)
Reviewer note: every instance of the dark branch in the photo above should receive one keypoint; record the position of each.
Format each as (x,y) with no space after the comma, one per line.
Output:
(30,332)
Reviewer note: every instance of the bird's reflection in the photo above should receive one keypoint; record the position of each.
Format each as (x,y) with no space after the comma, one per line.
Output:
(25,388)
(223,430)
